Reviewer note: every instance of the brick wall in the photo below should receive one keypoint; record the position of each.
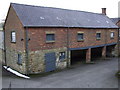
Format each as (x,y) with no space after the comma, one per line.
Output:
(12,49)
(13,24)
(38,38)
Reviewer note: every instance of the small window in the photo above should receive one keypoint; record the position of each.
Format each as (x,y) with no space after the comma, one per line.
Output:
(98,35)
(80,36)
(61,55)
(50,37)
(112,35)
(19,59)
(13,37)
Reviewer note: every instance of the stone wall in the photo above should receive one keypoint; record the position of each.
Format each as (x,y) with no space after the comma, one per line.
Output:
(37,60)
(12,60)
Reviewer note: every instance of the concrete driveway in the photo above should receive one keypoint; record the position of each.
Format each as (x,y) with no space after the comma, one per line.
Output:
(98,75)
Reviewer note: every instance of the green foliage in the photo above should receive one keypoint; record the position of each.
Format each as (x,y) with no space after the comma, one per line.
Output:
(118,74)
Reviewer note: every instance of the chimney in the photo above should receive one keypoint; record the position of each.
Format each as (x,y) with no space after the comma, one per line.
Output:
(104,11)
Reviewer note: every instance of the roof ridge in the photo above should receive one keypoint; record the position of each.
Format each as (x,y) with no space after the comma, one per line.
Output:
(58,8)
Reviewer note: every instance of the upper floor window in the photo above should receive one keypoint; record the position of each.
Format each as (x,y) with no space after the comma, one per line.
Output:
(112,35)
(80,36)
(98,35)
(13,36)
(50,37)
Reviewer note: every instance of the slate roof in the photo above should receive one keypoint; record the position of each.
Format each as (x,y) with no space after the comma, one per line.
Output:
(37,16)
(115,20)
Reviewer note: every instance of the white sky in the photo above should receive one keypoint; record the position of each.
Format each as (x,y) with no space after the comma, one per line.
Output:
(83,5)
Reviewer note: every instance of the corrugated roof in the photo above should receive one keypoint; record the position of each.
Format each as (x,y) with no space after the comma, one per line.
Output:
(37,16)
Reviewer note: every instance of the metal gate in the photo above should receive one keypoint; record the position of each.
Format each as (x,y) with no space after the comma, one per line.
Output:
(50,61)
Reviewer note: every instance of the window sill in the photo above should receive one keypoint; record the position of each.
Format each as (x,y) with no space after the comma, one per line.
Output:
(50,41)
(13,42)
(98,39)
(111,38)
(19,64)
(82,40)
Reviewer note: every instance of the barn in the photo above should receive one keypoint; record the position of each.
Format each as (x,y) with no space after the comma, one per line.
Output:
(117,22)
(43,39)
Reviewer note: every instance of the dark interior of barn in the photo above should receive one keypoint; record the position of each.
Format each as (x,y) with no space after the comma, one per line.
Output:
(96,53)
(78,56)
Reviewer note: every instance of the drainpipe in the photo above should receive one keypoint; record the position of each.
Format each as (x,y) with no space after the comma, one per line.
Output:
(68,47)
(118,52)
(118,47)
(118,42)
(106,40)
(4,46)
(26,50)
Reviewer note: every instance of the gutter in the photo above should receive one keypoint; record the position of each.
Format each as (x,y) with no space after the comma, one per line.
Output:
(61,26)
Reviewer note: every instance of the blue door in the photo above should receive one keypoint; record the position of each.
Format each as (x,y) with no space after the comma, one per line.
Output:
(50,62)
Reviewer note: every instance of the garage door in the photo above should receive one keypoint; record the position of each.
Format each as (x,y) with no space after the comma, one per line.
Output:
(50,61)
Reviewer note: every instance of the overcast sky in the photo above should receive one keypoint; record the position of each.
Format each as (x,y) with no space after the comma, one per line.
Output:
(83,5)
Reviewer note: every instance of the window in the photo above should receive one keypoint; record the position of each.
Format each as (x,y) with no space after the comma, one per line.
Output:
(80,36)
(50,37)
(98,35)
(19,59)
(13,37)
(112,35)
(62,56)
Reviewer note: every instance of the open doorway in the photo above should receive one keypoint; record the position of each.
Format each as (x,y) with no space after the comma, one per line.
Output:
(78,56)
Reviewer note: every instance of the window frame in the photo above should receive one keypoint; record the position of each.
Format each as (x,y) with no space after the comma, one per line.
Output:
(12,39)
(98,38)
(82,36)
(19,59)
(50,41)
(113,35)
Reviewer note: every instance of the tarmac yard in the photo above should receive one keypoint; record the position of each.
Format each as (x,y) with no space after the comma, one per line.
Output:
(98,75)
